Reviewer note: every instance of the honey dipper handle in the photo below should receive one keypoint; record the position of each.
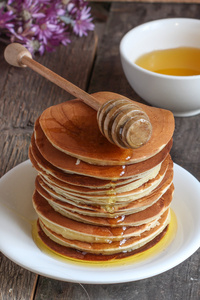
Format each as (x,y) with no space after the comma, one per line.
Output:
(120,121)
(18,56)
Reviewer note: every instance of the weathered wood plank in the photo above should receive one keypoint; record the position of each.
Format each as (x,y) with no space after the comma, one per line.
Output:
(50,289)
(23,96)
(16,282)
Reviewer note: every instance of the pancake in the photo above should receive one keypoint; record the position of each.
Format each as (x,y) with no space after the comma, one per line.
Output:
(115,214)
(135,219)
(45,168)
(68,127)
(69,164)
(73,253)
(109,197)
(95,200)
(87,232)
(127,244)
(125,186)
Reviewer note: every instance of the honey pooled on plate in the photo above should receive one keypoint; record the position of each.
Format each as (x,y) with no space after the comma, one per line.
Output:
(181,61)
(94,200)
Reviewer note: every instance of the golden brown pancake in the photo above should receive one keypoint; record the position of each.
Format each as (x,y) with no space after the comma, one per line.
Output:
(110,197)
(68,127)
(119,211)
(87,232)
(140,217)
(109,248)
(45,168)
(69,164)
(124,190)
(71,252)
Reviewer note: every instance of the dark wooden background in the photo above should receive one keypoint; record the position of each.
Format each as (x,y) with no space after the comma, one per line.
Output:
(93,63)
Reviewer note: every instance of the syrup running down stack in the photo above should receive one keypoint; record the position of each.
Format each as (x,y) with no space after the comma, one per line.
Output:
(94,200)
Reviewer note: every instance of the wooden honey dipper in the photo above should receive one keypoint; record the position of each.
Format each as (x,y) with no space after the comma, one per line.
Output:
(121,121)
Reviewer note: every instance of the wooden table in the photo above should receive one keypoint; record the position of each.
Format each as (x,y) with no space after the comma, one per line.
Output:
(93,64)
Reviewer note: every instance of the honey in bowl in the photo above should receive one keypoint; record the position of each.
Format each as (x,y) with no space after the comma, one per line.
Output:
(181,61)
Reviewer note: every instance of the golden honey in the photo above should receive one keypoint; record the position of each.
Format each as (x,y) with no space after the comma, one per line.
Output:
(181,61)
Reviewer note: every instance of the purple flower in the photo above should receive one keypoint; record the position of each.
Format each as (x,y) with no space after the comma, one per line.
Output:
(83,23)
(30,9)
(41,25)
(81,17)
(50,35)
(6,19)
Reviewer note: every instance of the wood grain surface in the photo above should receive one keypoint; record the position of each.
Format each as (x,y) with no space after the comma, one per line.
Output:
(24,95)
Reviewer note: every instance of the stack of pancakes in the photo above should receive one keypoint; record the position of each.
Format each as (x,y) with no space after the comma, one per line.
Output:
(94,200)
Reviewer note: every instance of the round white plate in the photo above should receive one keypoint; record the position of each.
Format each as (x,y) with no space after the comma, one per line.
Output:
(16,215)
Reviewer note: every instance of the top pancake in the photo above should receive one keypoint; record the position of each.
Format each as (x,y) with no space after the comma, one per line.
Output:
(72,128)
(69,164)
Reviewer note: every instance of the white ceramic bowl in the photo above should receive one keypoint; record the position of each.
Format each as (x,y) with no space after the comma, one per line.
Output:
(180,94)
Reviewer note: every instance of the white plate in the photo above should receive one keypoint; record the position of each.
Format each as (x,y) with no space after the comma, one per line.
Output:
(16,215)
